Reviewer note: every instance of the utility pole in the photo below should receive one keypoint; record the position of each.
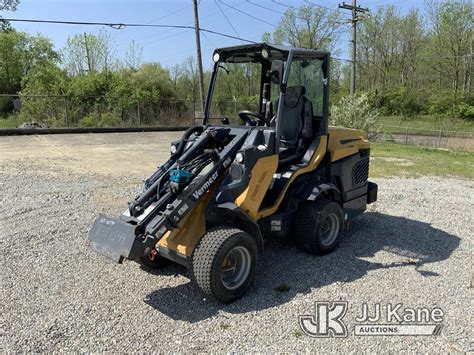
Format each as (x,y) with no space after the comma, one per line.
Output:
(199,58)
(87,53)
(355,10)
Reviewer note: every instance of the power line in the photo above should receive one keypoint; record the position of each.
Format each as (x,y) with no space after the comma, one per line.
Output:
(207,38)
(119,26)
(168,14)
(180,31)
(164,16)
(246,14)
(227,19)
(322,6)
(265,8)
(273,10)
(226,35)
(116,26)
(170,30)
(205,48)
(295,8)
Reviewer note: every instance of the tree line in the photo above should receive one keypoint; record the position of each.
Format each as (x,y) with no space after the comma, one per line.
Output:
(407,64)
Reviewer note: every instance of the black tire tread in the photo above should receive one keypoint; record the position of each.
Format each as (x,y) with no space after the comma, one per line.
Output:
(205,253)
(306,226)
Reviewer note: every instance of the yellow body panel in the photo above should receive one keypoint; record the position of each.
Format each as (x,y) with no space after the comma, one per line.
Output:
(184,238)
(260,178)
(312,165)
(344,142)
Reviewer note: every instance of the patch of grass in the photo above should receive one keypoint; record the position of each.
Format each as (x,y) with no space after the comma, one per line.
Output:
(283,288)
(225,326)
(297,333)
(12,121)
(390,159)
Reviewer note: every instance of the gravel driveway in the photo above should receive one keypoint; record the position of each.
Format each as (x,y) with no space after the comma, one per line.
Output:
(412,247)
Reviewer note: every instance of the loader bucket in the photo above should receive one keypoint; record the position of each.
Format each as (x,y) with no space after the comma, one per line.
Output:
(113,238)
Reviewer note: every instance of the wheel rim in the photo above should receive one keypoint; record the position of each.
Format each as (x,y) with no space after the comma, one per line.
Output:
(329,230)
(235,268)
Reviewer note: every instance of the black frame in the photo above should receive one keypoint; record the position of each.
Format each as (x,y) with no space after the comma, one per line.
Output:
(252,53)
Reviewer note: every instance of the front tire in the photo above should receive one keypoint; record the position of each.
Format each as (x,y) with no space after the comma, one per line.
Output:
(318,226)
(224,263)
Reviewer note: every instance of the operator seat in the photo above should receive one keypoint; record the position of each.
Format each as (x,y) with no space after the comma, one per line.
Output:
(296,126)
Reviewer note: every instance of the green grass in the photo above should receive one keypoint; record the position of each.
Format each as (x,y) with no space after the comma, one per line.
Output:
(390,159)
(425,125)
(224,326)
(12,121)
(297,333)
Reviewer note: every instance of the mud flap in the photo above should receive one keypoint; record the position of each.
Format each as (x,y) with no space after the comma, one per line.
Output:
(113,238)
(372,189)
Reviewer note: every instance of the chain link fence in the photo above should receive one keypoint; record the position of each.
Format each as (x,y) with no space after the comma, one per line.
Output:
(105,111)
(435,138)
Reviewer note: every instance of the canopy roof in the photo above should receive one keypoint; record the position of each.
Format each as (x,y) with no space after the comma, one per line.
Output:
(253,53)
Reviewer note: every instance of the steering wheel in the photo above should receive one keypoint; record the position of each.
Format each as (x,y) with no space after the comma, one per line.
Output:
(246,115)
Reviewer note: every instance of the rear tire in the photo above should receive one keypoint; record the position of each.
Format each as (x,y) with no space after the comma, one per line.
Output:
(318,226)
(224,263)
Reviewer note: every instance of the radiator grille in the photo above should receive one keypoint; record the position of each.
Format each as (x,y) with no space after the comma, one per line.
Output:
(360,173)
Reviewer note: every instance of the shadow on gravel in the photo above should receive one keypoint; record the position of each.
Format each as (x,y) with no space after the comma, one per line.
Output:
(411,243)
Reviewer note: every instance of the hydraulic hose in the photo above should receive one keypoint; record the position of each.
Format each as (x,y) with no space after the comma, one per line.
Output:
(143,200)
(185,138)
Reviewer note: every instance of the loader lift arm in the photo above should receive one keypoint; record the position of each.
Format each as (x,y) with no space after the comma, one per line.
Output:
(160,207)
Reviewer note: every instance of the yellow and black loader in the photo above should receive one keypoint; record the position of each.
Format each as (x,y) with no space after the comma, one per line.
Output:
(282,172)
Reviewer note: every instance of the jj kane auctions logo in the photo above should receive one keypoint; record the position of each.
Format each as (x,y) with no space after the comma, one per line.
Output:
(327,320)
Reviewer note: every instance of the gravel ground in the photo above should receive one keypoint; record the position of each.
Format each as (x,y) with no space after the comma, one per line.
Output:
(413,247)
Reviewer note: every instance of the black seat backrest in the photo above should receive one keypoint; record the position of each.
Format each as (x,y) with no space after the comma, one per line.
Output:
(297,116)
(291,122)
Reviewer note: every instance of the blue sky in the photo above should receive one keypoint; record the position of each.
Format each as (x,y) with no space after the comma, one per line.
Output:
(168,46)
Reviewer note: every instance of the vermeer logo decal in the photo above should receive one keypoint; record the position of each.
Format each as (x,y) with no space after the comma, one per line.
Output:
(198,193)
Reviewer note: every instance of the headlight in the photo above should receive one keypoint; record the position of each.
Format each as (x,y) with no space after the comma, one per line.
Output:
(216,57)
(239,158)
(265,53)
(173,149)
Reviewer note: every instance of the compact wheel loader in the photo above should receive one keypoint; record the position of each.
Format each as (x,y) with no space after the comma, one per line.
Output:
(278,172)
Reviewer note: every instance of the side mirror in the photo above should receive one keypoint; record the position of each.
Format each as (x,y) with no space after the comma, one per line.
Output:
(277,71)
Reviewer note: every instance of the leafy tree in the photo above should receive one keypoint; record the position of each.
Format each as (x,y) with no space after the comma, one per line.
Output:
(151,80)
(9,5)
(89,53)
(379,45)
(133,55)
(354,112)
(452,42)
(410,66)
(309,26)
(21,53)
